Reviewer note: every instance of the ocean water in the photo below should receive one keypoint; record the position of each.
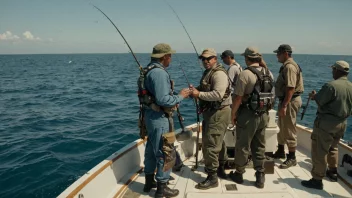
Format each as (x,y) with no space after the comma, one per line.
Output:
(60,115)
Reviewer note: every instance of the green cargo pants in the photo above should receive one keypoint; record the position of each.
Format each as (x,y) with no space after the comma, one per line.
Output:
(325,138)
(250,134)
(214,125)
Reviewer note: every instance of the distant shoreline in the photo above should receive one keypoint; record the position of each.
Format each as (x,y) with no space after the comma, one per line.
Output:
(238,54)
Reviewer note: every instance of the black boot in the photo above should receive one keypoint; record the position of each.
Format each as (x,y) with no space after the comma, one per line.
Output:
(178,167)
(313,183)
(164,191)
(210,182)
(221,171)
(236,177)
(149,182)
(331,173)
(280,153)
(290,161)
(260,179)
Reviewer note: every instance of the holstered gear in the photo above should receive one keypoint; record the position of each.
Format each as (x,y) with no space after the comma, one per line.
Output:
(141,125)
(205,85)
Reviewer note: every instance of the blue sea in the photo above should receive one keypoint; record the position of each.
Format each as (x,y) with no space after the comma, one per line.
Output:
(60,115)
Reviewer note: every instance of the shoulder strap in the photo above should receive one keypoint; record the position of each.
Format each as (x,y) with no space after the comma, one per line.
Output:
(295,64)
(151,67)
(155,65)
(258,73)
(239,66)
(221,68)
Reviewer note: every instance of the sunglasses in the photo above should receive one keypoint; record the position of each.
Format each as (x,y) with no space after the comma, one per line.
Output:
(208,59)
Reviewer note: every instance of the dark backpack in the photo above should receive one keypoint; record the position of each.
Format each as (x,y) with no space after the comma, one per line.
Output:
(262,98)
(145,98)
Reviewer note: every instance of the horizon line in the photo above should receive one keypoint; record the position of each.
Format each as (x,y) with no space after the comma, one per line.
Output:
(81,53)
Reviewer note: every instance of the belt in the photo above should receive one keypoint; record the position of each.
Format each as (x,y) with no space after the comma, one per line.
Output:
(222,106)
(246,106)
(212,108)
(295,95)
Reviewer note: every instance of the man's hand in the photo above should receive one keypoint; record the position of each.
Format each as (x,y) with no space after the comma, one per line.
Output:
(185,92)
(282,111)
(312,94)
(194,92)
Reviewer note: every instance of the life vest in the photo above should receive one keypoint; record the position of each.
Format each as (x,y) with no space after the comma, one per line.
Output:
(205,85)
(146,99)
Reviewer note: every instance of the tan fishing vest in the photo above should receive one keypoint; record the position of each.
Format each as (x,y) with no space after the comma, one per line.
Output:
(205,86)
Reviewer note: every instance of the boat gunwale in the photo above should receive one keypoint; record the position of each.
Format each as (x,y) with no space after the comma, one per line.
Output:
(126,149)
(139,142)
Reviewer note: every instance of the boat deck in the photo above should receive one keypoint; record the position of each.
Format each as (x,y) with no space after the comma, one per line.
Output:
(283,183)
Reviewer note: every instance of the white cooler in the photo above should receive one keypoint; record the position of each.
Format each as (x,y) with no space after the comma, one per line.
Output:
(270,134)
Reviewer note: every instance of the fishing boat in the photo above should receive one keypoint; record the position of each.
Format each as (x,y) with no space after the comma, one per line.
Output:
(121,174)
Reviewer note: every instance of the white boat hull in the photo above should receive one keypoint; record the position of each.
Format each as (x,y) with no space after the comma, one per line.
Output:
(121,173)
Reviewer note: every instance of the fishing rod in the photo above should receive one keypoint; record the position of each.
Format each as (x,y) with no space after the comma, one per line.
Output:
(184,73)
(194,47)
(197,105)
(133,54)
(139,65)
(141,124)
(305,108)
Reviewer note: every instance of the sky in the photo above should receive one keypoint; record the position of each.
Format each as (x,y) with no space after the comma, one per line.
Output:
(75,26)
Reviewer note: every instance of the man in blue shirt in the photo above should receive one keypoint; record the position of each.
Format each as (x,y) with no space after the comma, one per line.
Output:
(159,87)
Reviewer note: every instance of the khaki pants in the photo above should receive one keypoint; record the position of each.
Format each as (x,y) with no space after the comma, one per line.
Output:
(250,134)
(214,128)
(325,137)
(287,124)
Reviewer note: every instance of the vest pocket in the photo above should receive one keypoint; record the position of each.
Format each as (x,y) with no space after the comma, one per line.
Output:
(169,150)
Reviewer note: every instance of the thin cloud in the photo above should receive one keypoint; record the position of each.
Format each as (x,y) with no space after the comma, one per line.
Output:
(29,36)
(8,36)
